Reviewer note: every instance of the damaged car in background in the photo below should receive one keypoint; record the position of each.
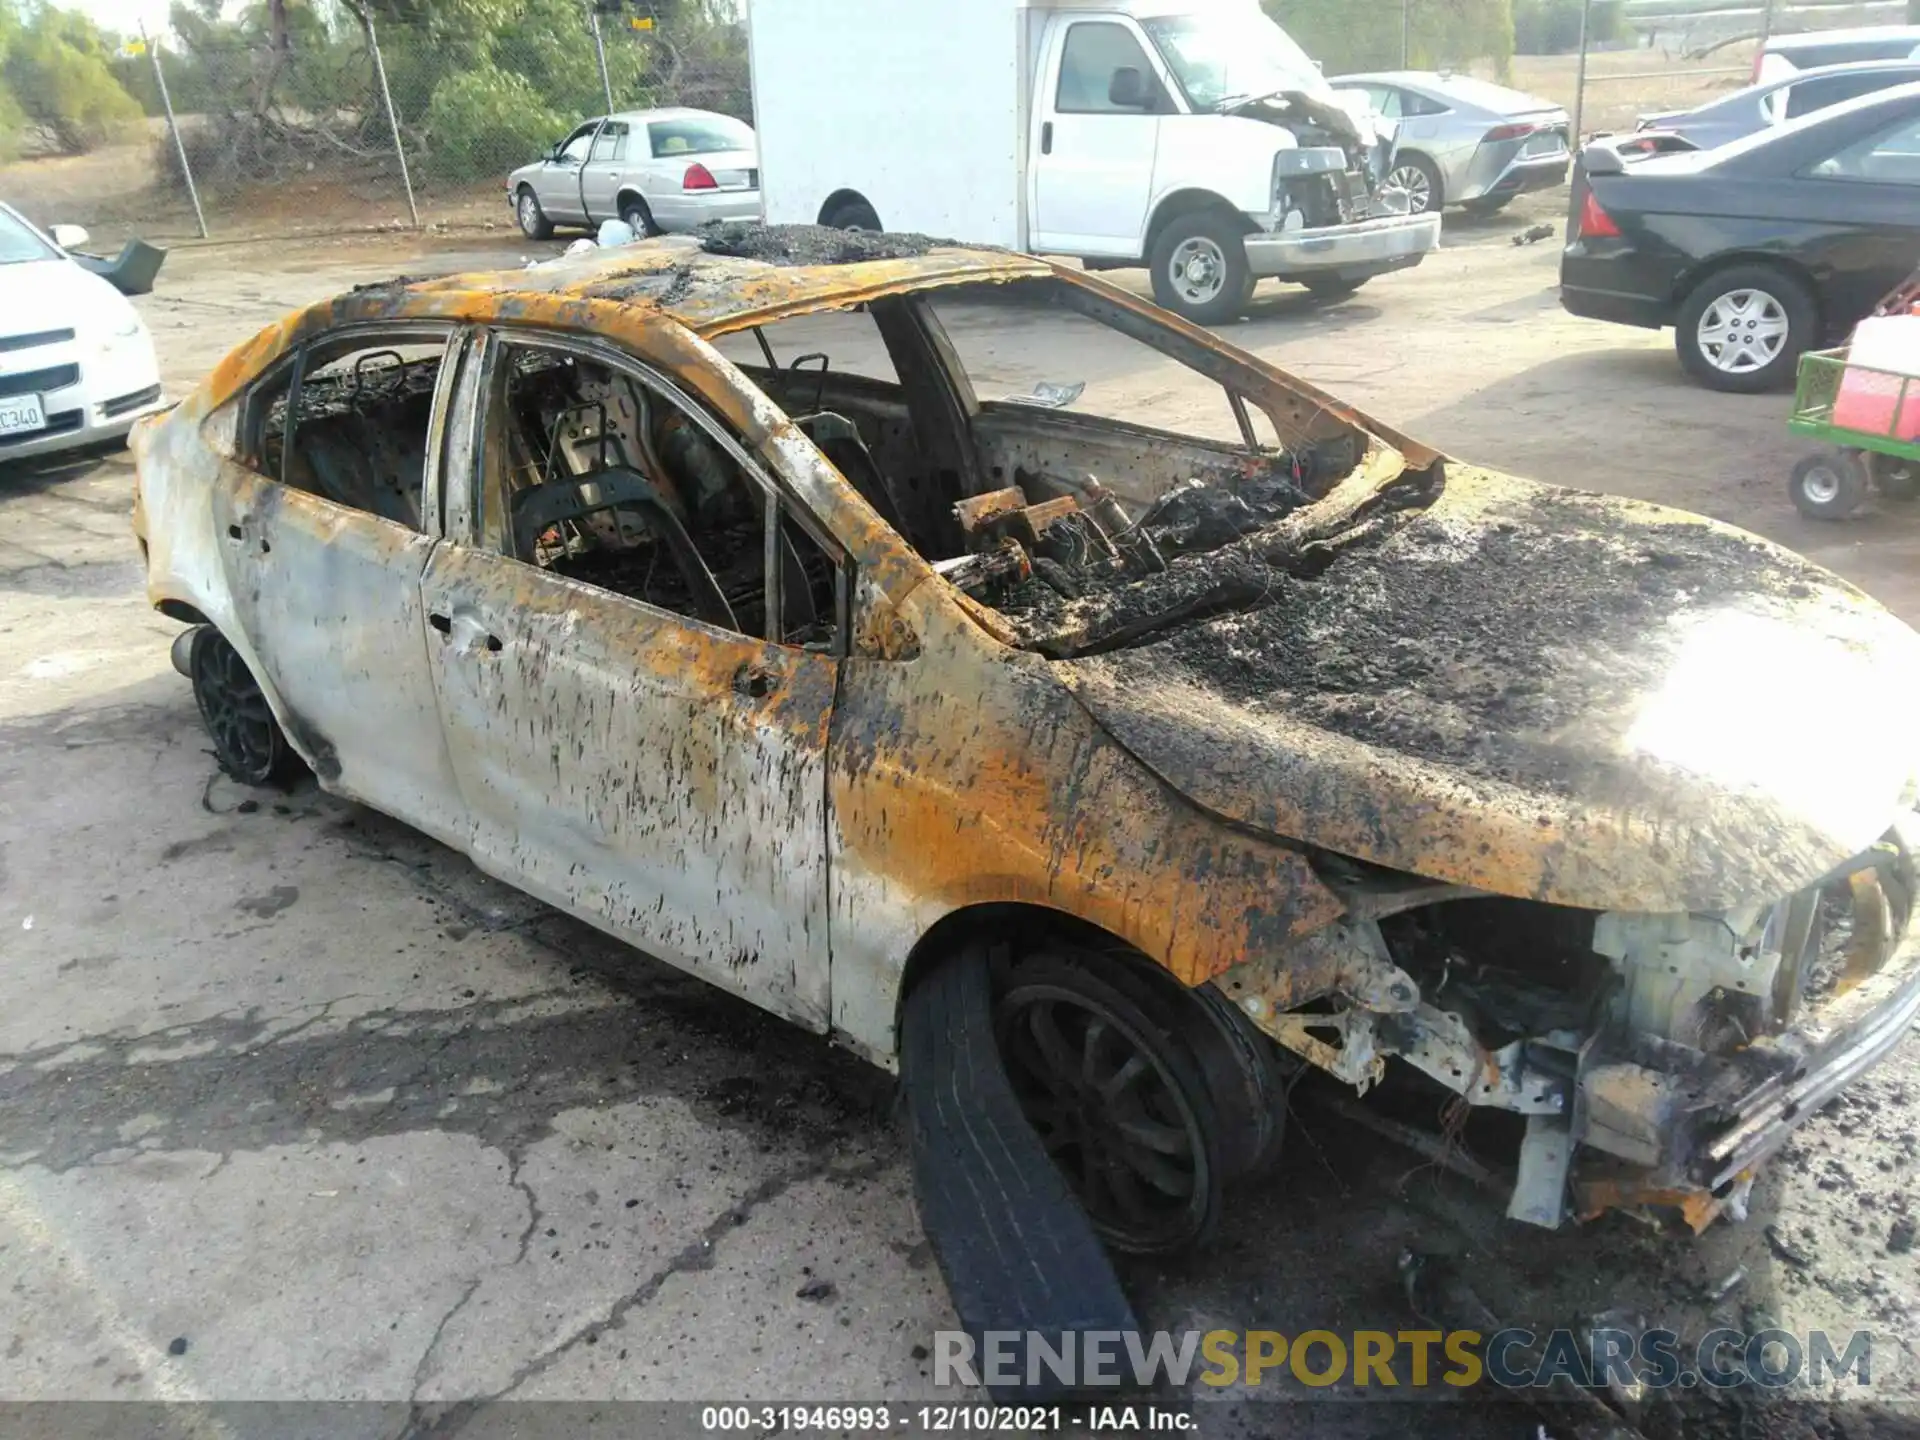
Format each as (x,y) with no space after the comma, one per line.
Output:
(1193,137)
(1088,772)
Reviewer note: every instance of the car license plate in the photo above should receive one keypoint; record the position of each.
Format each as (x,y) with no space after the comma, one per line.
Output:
(22,414)
(1543,142)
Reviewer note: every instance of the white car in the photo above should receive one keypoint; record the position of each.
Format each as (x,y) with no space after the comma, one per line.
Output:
(658,170)
(76,362)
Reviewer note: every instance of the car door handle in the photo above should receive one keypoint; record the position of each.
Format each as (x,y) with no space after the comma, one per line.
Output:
(754,681)
(472,633)
(1046,137)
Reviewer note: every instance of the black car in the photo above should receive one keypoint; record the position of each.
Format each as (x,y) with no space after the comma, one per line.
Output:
(1755,251)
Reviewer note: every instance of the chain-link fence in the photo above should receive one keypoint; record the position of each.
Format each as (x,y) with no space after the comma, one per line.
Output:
(354,124)
(332,119)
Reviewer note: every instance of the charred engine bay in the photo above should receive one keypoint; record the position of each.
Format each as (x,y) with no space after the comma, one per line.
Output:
(1500,645)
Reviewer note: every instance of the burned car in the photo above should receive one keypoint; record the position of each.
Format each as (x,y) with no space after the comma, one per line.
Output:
(1298,740)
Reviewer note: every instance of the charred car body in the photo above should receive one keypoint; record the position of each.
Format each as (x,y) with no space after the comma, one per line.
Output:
(1215,750)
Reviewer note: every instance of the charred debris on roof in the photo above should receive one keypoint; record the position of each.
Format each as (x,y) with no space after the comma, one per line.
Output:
(813,244)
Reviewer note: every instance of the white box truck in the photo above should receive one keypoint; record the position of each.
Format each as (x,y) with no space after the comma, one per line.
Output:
(1193,136)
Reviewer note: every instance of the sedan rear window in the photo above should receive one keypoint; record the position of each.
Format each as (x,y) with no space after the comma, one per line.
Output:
(698,135)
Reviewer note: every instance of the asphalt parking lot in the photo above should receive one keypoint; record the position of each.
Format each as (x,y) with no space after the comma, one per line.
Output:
(295,1105)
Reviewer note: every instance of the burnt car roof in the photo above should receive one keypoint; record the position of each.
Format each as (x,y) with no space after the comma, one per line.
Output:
(730,278)
(736,276)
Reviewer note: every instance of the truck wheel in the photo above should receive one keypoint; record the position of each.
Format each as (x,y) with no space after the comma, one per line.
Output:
(533,220)
(854,215)
(1199,267)
(1828,486)
(1742,328)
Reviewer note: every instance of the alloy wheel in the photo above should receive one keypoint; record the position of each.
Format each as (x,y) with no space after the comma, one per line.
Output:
(1411,181)
(246,738)
(1742,331)
(1101,1089)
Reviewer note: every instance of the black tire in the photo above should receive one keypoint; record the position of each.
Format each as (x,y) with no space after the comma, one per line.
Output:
(1828,486)
(634,211)
(248,743)
(853,215)
(1332,287)
(1429,194)
(1017,1251)
(533,220)
(1776,307)
(1894,476)
(1486,205)
(1116,1096)
(1210,253)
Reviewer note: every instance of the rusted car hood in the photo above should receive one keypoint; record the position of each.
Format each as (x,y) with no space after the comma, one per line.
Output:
(1544,693)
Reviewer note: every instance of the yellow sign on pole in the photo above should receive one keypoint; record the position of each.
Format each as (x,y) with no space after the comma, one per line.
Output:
(641,22)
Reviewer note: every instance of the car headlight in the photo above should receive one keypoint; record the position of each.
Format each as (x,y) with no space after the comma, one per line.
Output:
(119,335)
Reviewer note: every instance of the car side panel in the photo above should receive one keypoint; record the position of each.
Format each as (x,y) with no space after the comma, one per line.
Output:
(328,600)
(968,775)
(660,779)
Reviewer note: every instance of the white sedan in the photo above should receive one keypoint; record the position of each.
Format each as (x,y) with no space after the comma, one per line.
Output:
(76,362)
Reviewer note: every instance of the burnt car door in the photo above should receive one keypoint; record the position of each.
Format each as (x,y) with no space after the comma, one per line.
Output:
(634,641)
(326,516)
(1872,182)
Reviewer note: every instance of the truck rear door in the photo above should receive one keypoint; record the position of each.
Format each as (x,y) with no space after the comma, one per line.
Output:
(1092,155)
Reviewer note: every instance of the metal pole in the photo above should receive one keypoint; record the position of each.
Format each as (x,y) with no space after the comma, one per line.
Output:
(393,120)
(600,49)
(179,145)
(1580,81)
(1406,34)
(1766,23)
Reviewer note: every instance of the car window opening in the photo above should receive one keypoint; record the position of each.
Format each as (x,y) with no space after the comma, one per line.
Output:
(358,435)
(1052,483)
(591,473)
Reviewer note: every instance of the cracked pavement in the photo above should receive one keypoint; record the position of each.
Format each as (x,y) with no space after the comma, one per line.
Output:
(296,1093)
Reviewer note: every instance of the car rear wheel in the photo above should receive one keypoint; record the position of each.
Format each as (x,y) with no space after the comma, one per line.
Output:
(1743,329)
(634,211)
(1199,268)
(248,743)
(854,215)
(533,220)
(1418,179)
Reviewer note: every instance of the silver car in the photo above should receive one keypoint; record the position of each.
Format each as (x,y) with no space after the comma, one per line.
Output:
(1774,102)
(1463,141)
(658,170)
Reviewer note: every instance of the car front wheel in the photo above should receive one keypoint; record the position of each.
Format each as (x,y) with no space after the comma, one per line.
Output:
(533,220)
(1743,329)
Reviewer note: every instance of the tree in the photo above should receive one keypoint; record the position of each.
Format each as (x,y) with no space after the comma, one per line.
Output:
(1344,36)
(58,78)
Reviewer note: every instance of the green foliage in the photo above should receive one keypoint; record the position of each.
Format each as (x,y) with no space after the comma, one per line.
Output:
(481,115)
(1344,36)
(57,68)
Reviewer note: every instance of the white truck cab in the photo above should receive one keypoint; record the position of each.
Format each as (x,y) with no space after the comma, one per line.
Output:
(1190,135)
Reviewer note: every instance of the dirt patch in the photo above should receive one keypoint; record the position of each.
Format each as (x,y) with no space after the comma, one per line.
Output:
(813,244)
